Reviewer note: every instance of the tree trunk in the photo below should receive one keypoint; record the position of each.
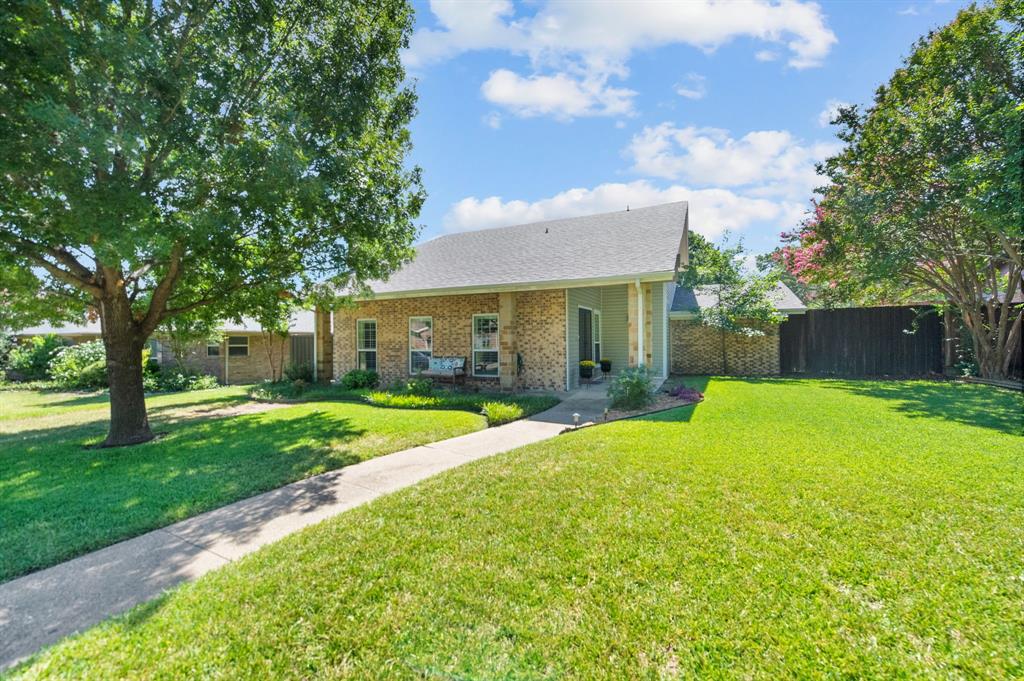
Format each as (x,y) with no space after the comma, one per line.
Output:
(129,423)
(725,354)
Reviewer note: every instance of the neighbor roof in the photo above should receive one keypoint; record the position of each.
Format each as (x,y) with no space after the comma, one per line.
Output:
(692,300)
(301,322)
(628,243)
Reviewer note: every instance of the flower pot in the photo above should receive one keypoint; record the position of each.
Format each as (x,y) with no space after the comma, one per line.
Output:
(606,366)
(586,372)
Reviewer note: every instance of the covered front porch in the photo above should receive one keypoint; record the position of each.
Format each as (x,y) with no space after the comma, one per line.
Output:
(625,324)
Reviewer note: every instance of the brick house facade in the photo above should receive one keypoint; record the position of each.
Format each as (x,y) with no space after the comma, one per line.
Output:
(531,324)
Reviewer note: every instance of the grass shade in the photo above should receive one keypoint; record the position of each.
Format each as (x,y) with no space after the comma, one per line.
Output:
(781,528)
(59,499)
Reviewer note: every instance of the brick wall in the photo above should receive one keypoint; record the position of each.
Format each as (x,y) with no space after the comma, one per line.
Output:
(249,369)
(697,349)
(539,329)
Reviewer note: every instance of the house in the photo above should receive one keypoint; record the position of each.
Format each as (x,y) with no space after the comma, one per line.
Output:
(240,357)
(525,304)
(698,349)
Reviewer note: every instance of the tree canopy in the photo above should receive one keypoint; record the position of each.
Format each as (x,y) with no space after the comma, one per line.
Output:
(162,157)
(924,201)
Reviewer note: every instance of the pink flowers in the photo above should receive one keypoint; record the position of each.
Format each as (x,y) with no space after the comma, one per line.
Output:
(803,259)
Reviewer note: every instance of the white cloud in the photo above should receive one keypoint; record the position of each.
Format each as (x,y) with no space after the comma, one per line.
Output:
(909,11)
(492,120)
(765,163)
(559,95)
(610,31)
(694,86)
(830,111)
(766,55)
(712,211)
(574,48)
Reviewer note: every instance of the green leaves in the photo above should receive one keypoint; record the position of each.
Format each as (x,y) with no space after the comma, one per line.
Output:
(741,298)
(266,139)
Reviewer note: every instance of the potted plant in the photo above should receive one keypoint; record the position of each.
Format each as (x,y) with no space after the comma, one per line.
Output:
(587,368)
(606,366)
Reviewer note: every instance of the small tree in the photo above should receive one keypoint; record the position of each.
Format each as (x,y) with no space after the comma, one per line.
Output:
(163,157)
(742,298)
(186,331)
(925,198)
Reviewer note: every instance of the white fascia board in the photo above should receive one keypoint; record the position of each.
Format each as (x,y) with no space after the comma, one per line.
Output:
(666,275)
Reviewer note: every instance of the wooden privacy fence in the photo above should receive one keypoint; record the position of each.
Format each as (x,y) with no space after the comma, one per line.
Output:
(866,341)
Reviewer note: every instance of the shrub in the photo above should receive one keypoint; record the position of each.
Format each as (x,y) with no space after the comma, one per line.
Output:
(30,361)
(631,389)
(7,344)
(82,366)
(424,387)
(498,413)
(359,378)
(299,372)
(686,393)
(406,401)
(178,379)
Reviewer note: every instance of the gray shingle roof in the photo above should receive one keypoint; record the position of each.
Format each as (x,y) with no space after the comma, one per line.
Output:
(703,297)
(624,243)
(301,322)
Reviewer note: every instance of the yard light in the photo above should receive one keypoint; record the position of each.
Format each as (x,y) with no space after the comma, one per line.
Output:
(606,413)
(575,420)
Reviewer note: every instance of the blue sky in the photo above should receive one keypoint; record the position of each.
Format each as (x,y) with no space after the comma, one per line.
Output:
(545,109)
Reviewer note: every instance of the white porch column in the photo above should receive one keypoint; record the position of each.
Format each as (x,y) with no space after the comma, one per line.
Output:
(640,307)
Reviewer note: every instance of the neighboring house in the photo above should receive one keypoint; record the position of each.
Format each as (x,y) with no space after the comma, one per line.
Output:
(697,349)
(241,357)
(525,304)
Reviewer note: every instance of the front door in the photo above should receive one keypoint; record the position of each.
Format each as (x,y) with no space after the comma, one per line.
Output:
(586,335)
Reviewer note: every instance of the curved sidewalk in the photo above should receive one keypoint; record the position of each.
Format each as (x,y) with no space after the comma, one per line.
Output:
(41,608)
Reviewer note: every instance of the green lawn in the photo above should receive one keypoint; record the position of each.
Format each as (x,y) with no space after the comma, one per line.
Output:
(781,528)
(59,499)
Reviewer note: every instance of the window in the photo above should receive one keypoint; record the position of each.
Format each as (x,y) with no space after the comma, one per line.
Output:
(155,353)
(238,346)
(485,345)
(213,349)
(421,343)
(366,344)
(597,335)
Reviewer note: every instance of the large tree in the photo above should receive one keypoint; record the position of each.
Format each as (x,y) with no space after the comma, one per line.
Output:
(162,156)
(925,199)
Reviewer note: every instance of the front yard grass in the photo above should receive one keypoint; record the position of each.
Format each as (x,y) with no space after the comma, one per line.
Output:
(781,528)
(59,500)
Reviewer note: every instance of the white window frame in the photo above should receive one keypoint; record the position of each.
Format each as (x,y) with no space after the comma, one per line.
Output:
(595,334)
(230,345)
(360,350)
(408,340)
(474,349)
(215,347)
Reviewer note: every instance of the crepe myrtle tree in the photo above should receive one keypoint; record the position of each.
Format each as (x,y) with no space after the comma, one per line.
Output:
(925,199)
(162,157)
(742,297)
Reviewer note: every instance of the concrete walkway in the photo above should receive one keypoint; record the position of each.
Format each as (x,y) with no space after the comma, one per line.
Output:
(41,608)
